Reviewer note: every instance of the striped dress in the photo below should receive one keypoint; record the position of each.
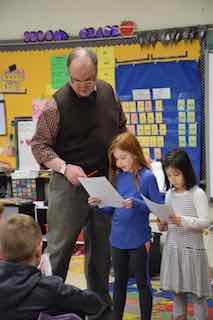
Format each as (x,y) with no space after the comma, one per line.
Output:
(184,266)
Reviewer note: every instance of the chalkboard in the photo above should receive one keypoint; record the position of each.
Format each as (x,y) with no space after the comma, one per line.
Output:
(24,130)
(209,122)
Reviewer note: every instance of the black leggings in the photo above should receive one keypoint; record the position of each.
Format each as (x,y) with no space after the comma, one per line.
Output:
(138,260)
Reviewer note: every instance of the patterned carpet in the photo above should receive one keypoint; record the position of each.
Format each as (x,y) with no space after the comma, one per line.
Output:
(162,308)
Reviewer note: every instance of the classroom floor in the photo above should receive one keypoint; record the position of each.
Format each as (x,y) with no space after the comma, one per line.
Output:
(162,309)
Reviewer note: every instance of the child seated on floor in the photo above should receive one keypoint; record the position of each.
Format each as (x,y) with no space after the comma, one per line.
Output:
(24,290)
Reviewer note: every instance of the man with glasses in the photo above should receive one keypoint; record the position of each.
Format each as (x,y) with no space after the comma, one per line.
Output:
(72,137)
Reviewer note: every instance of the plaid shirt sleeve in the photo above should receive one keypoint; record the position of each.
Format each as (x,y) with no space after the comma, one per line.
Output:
(46,132)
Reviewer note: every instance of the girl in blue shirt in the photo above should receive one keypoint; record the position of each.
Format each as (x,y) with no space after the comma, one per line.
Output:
(130,234)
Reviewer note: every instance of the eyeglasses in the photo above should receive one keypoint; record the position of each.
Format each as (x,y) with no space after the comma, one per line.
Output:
(87,82)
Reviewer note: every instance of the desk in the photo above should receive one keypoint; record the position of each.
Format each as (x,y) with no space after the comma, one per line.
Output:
(40,210)
(14,205)
(14,201)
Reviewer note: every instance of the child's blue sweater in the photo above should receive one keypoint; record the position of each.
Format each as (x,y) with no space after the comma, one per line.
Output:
(130,227)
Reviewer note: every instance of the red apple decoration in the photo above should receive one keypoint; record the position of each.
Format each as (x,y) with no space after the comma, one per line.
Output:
(127,28)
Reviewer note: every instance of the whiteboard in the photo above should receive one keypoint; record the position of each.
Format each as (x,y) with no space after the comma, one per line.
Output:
(209,123)
(24,128)
(2,118)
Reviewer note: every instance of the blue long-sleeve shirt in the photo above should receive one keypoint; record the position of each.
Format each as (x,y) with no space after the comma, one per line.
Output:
(130,227)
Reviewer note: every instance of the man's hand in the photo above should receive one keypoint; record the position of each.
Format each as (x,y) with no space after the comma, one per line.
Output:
(72,173)
(94,201)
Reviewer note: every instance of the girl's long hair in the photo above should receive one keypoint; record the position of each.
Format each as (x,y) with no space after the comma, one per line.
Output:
(126,142)
(179,160)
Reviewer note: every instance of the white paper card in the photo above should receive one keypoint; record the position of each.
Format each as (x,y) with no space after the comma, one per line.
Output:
(2,119)
(141,94)
(162,211)
(161,93)
(102,189)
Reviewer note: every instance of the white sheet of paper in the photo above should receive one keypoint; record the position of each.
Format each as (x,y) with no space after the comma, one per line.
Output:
(161,93)
(102,189)
(162,211)
(141,94)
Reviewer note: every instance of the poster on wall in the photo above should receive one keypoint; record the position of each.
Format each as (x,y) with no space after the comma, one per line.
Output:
(3,121)
(162,103)
(25,128)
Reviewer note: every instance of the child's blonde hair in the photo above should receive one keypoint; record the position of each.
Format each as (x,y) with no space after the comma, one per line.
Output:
(19,237)
(126,141)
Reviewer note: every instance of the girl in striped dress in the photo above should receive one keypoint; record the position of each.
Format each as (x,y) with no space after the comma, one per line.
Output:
(184,267)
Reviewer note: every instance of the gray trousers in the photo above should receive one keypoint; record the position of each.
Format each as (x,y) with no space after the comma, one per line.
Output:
(69,212)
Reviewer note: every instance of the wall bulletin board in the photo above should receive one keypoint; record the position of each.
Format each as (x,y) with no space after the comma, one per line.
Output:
(163,111)
(24,128)
(41,70)
(209,123)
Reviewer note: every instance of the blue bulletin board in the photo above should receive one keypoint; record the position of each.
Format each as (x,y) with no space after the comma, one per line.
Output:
(162,103)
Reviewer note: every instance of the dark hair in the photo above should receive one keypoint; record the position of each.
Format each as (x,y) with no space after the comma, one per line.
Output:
(179,159)
(79,52)
(126,141)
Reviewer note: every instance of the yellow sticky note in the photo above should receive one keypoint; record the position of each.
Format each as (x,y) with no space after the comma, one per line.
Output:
(132,106)
(181,104)
(125,106)
(159,105)
(147,130)
(192,129)
(154,130)
(158,117)
(160,141)
(147,141)
(182,141)
(181,129)
(140,106)
(140,130)
(162,128)
(150,117)
(192,141)
(142,117)
(190,104)
(153,141)
(181,116)
(190,116)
